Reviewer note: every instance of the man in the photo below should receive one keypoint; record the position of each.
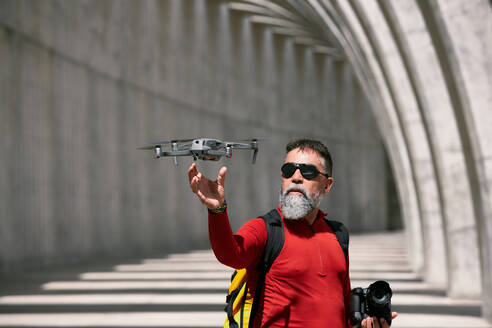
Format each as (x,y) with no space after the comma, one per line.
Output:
(308,284)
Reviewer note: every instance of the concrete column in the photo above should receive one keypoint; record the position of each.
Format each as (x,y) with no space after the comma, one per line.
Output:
(391,130)
(431,196)
(467,30)
(415,135)
(462,234)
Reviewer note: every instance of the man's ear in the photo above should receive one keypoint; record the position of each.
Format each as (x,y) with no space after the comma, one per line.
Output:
(328,185)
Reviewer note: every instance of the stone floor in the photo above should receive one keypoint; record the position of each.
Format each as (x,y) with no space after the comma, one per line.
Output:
(188,290)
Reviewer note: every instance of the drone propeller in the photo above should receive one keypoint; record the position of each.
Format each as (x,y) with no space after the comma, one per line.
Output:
(172,141)
(252,140)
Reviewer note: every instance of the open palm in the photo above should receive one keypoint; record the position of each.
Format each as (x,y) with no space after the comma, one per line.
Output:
(211,193)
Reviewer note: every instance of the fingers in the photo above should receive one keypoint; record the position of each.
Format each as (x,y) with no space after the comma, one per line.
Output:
(372,322)
(222,175)
(194,177)
(194,184)
(210,193)
(382,323)
(367,323)
(192,171)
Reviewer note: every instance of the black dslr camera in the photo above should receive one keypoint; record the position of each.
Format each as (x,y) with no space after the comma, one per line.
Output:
(374,301)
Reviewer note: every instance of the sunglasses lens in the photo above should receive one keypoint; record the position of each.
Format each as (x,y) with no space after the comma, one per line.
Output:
(288,170)
(309,171)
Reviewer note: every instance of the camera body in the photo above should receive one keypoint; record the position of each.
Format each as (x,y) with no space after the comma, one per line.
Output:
(374,301)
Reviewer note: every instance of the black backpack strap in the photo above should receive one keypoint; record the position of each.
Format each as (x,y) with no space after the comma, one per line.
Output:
(273,246)
(342,235)
(275,239)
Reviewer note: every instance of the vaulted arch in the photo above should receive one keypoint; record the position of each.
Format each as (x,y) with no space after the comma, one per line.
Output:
(425,69)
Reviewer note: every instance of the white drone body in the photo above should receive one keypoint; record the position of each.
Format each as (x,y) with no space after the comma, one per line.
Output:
(206,149)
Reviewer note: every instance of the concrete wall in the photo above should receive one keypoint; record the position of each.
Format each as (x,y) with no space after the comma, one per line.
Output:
(83,84)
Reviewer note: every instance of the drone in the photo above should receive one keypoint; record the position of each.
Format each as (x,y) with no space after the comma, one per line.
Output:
(206,149)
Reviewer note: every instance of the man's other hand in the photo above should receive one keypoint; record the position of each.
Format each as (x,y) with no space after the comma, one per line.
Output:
(211,193)
(372,322)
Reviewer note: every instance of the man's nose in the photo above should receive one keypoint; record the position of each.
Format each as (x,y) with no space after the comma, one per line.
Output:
(297,176)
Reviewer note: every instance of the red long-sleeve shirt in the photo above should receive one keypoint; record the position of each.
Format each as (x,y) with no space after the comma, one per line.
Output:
(308,285)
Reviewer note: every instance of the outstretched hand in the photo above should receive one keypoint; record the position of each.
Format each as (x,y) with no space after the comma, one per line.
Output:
(211,193)
(372,322)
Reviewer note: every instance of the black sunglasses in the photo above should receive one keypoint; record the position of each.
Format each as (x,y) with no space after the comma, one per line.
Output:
(308,171)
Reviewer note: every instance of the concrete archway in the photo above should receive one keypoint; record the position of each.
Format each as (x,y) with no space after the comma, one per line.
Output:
(99,78)
(425,68)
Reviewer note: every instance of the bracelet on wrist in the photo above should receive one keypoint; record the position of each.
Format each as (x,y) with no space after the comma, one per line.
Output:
(219,209)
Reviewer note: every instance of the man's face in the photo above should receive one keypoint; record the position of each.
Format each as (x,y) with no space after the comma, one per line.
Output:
(316,187)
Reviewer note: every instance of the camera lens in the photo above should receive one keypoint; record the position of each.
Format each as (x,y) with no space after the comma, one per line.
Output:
(379,294)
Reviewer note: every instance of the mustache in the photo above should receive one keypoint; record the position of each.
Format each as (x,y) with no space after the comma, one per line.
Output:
(295,187)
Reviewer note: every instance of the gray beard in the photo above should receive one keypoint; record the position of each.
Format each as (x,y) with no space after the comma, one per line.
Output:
(295,207)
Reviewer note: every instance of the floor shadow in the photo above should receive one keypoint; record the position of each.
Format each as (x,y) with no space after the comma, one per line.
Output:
(103,308)
(467,310)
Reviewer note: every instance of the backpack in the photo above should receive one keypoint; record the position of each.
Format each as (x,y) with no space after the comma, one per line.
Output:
(241,306)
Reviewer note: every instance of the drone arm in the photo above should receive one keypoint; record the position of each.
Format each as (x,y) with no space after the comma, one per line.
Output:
(177,153)
(254,155)
(241,146)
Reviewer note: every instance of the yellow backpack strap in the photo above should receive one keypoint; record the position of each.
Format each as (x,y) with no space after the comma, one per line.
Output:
(241,304)
(236,298)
